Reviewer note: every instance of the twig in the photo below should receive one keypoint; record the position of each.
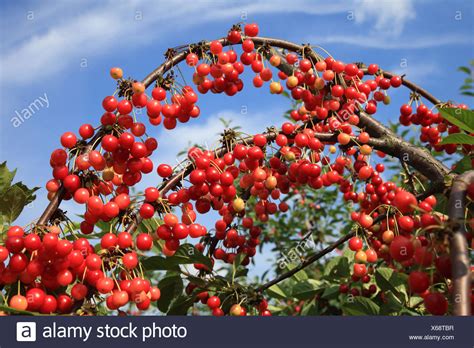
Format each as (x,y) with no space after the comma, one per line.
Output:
(307,261)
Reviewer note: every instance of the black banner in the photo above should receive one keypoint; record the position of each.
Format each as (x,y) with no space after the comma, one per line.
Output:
(328,332)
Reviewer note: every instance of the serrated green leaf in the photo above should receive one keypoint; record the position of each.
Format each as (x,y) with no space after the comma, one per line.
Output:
(181,305)
(458,138)
(331,292)
(6,177)
(360,306)
(337,267)
(276,291)
(389,280)
(462,118)
(307,289)
(12,202)
(171,286)
(186,254)
(310,309)
(392,304)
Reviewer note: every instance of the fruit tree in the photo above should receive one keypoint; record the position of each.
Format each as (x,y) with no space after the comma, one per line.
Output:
(362,220)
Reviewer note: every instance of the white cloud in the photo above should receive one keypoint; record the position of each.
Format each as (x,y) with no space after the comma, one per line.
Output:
(383,43)
(63,36)
(389,16)
(67,35)
(416,72)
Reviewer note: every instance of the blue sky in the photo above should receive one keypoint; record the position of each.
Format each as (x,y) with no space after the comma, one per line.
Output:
(63,50)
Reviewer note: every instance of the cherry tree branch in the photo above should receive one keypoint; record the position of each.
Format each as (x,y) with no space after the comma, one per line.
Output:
(460,262)
(388,142)
(310,260)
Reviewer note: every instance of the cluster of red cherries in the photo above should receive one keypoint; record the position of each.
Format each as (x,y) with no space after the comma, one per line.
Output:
(59,273)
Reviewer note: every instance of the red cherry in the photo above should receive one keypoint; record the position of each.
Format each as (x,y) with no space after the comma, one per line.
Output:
(64,304)
(105,285)
(124,240)
(405,202)
(79,291)
(109,103)
(93,262)
(144,241)
(68,140)
(32,242)
(213,302)
(49,305)
(436,303)
(418,282)
(360,270)
(355,244)
(401,248)
(86,131)
(251,29)
(130,260)
(18,262)
(164,170)
(35,299)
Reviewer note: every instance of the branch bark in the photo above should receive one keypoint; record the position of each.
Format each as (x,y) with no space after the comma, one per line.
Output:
(419,159)
(310,260)
(460,262)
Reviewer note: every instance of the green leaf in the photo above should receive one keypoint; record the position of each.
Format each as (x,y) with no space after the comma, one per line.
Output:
(389,280)
(310,309)
(238,259)
(306,289)
(463,165)
(331,292)
(12,202)
(360,306)
(462,118)
(465,69)
(468,93)
(276,291)
(186,254)
(458,138)
(298,276)
(392,304)
(181,305)
(16,311)
(155,263)
(171,286)
(337,267)
(6,177)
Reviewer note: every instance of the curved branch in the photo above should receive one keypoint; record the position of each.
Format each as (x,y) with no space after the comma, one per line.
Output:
(390,143)
(414,87)
(308,261)
(176,179)
(460,262)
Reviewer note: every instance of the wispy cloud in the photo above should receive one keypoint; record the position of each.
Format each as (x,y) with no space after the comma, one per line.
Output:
(381,42)
(416,72)
(57,37)
(389,17)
